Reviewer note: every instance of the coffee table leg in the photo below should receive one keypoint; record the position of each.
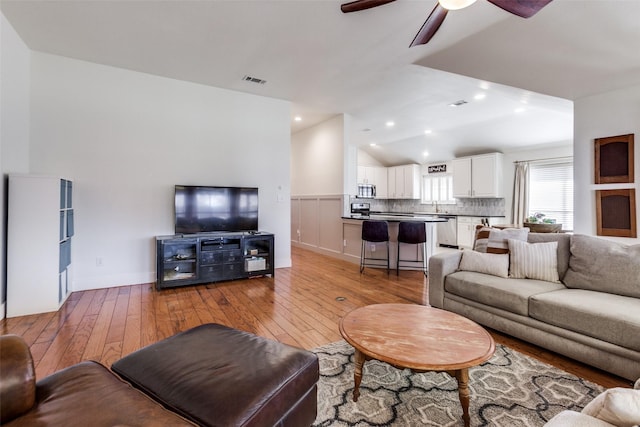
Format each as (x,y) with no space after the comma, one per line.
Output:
(463,391)
(357,375)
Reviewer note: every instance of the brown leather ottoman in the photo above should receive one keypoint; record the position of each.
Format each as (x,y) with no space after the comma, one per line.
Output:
(214,375)
(88,394)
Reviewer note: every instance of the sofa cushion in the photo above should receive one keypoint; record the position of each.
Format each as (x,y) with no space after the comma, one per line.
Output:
(608,317)
(575,419)
(219,376)
(534,260)
(494,264)
(564,243)
(88,394)
(602,265)
(618,406)
(494,240)
(507,294)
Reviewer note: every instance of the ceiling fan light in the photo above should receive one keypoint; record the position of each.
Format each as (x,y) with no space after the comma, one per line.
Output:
(455,4)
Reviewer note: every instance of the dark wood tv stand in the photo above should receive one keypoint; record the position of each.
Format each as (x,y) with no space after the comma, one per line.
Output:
(189,259)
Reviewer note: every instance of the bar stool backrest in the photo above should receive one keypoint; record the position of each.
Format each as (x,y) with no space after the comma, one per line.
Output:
(412,232)
(375,231)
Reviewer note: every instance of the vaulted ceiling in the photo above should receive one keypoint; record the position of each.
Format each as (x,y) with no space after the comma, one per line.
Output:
(325,62)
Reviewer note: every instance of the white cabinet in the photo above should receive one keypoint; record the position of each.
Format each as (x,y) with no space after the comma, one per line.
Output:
(40,229)
(404,182)
(376,175)
(461,171)
(478,176)
(380,176)
(467,230)
(365,173)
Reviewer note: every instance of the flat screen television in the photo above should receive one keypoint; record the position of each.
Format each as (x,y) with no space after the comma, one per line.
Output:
(200,209)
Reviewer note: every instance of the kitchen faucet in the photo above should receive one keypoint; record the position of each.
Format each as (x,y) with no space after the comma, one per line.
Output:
(437,209)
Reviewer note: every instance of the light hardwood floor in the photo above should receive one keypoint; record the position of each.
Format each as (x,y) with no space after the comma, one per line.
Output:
(301,306)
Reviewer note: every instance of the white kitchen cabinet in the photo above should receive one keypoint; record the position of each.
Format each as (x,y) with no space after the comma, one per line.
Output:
(376,175)
(478,176)
(404,182)
(461,171)
(40,230)
(380,176)
(363,174)
(467,228)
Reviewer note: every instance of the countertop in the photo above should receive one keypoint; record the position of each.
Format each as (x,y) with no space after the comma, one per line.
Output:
(397,217)
(415,216)
(453,214)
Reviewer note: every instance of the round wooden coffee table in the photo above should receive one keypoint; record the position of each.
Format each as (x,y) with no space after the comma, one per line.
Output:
(419,338)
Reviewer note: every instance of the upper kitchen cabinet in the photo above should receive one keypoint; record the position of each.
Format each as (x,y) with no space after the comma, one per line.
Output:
(478,176)
(404,182)
(375,175)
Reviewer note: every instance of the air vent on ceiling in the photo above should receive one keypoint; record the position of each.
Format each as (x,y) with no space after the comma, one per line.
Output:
(254,80)
(458,103)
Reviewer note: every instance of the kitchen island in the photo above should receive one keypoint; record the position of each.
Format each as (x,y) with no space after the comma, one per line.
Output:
(352,233)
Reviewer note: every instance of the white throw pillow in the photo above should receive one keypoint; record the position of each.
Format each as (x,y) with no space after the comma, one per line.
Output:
(494,240)
(494,264)
(618,406)
(534,260)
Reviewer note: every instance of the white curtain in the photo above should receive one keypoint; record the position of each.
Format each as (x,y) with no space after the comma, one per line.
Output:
(520,208)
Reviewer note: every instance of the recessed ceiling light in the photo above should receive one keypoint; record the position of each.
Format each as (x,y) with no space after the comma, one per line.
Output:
(373,144)
(428,131)
(480,96)
(519,110)
(456,4)
(297,118)
(425,153)
(390,124)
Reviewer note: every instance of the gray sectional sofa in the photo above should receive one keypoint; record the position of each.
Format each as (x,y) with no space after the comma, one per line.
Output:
(592,314)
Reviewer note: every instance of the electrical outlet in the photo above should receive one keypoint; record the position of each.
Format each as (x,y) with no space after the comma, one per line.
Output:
(344,243)
(373,248)
(99,262)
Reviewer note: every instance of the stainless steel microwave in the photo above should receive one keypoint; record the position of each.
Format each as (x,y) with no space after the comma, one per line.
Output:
(366,191)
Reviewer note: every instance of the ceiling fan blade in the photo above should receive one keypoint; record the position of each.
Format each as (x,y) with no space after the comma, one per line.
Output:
(430,26)
(522,8)
(359,5)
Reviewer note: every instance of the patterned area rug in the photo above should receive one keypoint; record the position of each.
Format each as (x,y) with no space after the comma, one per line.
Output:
(511,389)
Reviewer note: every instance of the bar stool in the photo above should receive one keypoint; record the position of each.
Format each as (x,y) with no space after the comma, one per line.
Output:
(412,233)
(374,232)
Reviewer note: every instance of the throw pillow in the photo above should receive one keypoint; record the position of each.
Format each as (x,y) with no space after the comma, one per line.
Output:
(497,242)
(534,260)
(598,264)
(482,238)
(494,264)
(618,406)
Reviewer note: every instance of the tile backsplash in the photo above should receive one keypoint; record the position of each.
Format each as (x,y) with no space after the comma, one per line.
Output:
(475,206)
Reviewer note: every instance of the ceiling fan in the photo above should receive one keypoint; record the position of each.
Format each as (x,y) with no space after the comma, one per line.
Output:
(522,8)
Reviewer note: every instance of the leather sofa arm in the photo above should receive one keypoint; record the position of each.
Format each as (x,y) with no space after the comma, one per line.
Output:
(441,265)
(17,378)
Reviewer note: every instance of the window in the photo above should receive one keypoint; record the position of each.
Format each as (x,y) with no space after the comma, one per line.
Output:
(438,188)
(551,191)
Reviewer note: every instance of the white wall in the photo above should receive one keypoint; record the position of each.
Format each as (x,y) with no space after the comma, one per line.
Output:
(318,159)
(15,63)
(126,138)
(365,159)
(598,116)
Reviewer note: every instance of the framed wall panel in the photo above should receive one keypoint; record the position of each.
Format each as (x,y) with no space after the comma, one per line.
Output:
(616,212)
(614,159)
